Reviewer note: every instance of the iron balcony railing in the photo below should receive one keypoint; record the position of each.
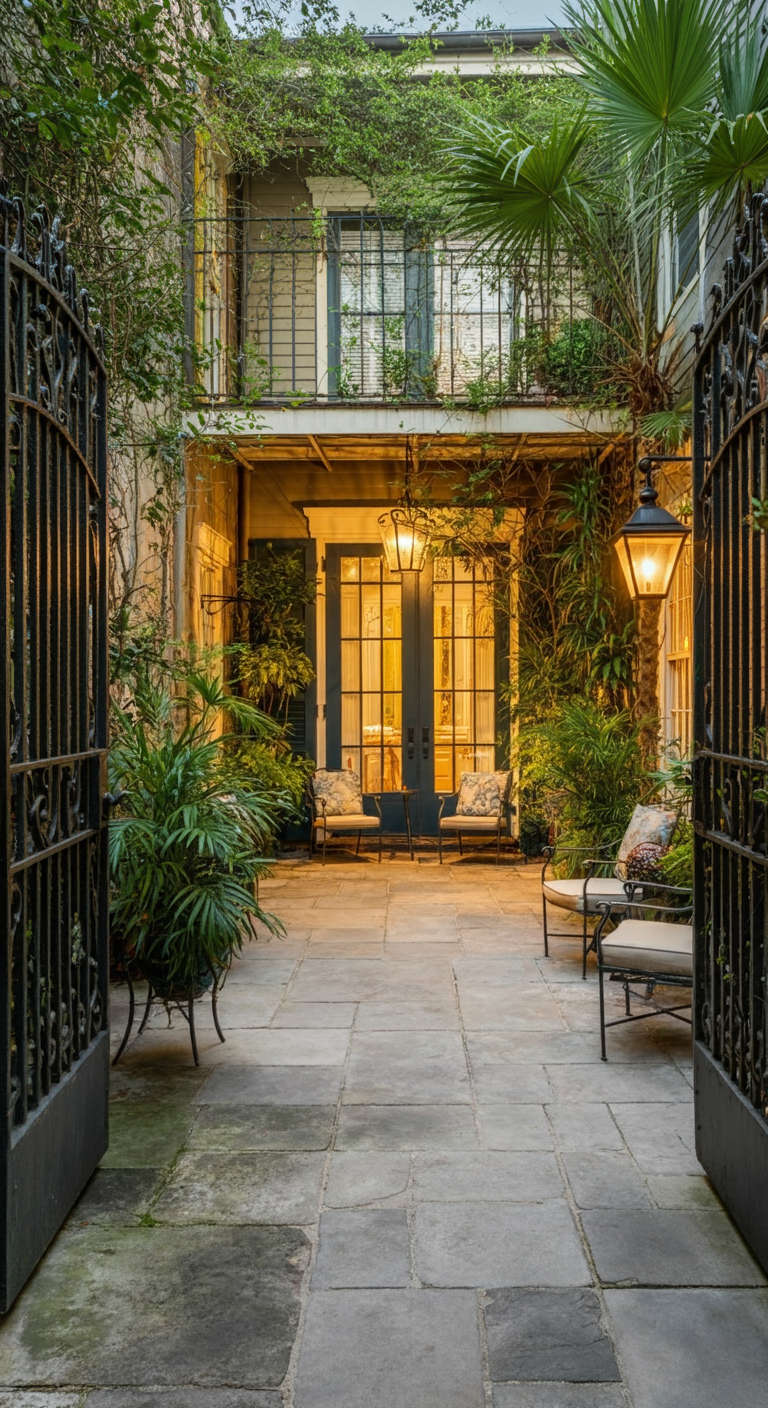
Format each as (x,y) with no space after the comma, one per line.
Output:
(356,308)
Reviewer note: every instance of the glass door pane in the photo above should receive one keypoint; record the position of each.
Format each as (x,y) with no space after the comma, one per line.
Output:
(464,699)
(371,613)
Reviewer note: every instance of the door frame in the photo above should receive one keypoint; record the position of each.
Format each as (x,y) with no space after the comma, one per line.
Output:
(418,733)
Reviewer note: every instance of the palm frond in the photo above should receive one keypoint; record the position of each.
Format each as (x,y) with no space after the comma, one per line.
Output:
(649,66)
(521,195)
(743,61)
(735,153)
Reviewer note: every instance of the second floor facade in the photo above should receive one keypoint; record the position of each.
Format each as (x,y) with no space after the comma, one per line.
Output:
(303,293)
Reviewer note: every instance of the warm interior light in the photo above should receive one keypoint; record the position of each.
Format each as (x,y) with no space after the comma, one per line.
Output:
(648,568)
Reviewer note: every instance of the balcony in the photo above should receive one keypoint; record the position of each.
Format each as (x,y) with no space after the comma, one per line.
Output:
(355,309)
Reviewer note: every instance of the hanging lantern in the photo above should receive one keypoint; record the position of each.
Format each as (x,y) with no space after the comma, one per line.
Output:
(649,544)
(405,530)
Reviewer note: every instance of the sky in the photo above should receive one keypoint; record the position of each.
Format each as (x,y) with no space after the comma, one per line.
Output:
(505,14)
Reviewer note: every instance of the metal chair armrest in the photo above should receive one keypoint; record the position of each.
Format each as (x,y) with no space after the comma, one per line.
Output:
(376,799)
(444,797)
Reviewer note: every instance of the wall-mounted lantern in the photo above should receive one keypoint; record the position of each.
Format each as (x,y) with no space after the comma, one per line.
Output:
(405,530)
(650,543)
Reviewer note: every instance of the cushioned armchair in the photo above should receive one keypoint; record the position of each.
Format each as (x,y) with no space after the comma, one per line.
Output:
(652,942)
(600,874)
(481,808)
(338,807)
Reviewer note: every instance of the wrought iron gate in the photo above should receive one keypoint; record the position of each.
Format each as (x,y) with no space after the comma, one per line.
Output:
(53,1013)
(730,711)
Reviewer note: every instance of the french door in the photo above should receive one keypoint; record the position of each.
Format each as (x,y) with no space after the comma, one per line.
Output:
(414,667)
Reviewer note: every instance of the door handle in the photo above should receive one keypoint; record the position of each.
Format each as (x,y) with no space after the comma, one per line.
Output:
(411,743)
(425,743)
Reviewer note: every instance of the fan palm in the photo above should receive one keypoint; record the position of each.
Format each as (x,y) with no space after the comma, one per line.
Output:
(677,90)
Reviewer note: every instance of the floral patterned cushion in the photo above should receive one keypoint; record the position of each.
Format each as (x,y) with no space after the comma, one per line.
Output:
(340,791)
(648,825)
(481,793)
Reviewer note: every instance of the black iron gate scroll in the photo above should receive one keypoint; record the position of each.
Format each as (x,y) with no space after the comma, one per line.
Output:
(731,724)
(53,1013)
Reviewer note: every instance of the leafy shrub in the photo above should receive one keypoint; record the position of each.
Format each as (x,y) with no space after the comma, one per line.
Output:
(573,363)
(586,768)
(187,845)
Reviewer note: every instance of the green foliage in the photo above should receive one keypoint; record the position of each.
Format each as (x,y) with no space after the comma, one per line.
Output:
(378,122)
(274,769)
(94,98)
(272,664)
(677,865)
(273,673)
(669,109)
(586,767)
(186,847)
(575,362)
(576,633)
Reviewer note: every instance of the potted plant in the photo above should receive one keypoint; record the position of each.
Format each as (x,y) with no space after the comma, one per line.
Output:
(187,844)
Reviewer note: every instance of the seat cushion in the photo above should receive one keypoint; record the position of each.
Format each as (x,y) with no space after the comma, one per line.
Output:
(650,946)
(351,821)
(569,894)
(340,790)
(482,793)
(469,823)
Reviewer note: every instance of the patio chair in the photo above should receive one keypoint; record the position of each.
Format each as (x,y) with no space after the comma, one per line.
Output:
(647,948)
(482,808)
(338,807)
(602,873)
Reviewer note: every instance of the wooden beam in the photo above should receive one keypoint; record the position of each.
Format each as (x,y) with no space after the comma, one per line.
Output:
(320,452)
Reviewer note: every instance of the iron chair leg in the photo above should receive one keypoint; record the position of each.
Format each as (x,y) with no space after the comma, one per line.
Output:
(357,847)
(129,1027)
(145,1018)
(439,844)
(498,842)
(192,1034)
(215,1011)
(584,945)
(544,922)
(458,835)
(381,843)
(603,1055)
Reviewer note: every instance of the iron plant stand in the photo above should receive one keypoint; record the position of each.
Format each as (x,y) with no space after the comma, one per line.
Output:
(183,1002)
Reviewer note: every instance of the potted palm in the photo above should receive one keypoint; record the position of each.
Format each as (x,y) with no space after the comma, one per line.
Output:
(187,844)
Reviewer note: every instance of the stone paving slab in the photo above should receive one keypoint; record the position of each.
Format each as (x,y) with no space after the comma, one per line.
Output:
(182,1398)
(514,1127)
(490,1177)
(272,1085)
(256,1127)
(242,1188)
(19,1399)
(108,1303)
(427,1067)
(537,1334)
(558,1396)
(118,1195)
(664,1247)
(362,1248)
(406,1127)
(498,1244)
(708,1348)
(388,1348)
(357,1179)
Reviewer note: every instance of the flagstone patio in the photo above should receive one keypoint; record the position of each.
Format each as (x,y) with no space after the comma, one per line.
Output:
(405,1181)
